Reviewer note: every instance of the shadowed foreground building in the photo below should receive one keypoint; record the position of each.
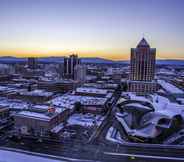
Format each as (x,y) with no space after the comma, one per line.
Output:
(40,122)
(142,72)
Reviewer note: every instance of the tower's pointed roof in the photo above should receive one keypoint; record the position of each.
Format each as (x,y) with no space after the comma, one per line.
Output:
(143,43)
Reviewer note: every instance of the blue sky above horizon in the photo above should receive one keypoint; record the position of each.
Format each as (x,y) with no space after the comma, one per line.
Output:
(99,28)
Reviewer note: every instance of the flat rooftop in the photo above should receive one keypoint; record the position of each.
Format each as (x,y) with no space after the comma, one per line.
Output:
(36,115)
(85,120)
(68,100)
(37,92)
(46,107)
(170,87)
(92,90)
(161,104)
(99,85)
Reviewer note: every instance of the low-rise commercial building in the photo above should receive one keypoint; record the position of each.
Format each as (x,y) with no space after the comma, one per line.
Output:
(87,104)
(36,123)
(59,86)
(90,91)
(35,96)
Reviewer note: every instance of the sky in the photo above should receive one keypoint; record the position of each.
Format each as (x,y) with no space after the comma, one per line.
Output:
(91,28)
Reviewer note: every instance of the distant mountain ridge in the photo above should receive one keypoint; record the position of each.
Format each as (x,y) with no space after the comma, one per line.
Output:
(10,59)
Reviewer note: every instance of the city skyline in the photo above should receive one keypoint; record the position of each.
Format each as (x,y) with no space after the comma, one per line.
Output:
(106,29)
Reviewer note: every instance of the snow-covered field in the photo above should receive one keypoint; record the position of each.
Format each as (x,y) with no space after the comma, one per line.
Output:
(10,156)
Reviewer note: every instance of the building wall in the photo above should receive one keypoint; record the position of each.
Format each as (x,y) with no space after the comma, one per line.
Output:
(142,68)
(32,63)
(33,126)
(94,109)
(90,94)
(4,113)
(57,87)
(142,87)
(30,98)
(80,73)
(142,64)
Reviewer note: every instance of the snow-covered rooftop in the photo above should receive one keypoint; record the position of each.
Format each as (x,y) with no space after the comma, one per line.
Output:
(170,87)
(86,120)
(166,72)
(91,77)
(97,85)
(46,107)
(161,104)
(41,107)
(13,103)
(68,100)
(91,90)
(36,115)
(133,96)
(37,92)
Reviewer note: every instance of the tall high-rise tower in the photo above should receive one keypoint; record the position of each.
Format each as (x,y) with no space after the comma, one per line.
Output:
(32,63)
(69,66)
(142,63)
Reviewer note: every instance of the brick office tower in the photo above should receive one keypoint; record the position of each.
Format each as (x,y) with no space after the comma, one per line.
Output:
(69,66)
(142,72)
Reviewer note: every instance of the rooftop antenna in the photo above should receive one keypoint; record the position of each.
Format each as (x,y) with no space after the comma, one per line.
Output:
(143,35)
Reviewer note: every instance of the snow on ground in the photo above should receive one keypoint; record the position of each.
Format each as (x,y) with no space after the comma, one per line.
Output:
(46,107)
(85,120)
(170,87)
(10,156)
